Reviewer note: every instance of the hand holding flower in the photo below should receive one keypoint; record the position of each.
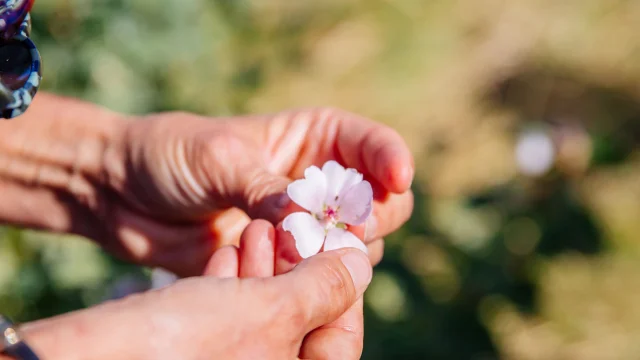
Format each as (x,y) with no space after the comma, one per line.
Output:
(188,175)
(239,310)
(169,189)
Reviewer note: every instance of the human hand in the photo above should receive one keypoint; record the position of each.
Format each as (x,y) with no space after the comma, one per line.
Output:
(184,182)
(256,256)
(312,312)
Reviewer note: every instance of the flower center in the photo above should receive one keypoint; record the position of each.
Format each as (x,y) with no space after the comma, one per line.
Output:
(331,213)
(329,218)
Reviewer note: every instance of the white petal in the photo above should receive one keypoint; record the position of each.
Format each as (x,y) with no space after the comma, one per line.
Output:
(352,177)
(335,174)
(339,180)
(356,204)
(307,232)
(311,191)
(338,238)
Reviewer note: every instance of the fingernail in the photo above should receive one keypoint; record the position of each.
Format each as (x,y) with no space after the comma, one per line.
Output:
(411,174)
(359,268)
(370,228)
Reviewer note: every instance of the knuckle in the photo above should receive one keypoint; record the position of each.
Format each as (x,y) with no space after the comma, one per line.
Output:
(335,112)
(293,310)
(258,185)
(323,115)
(333,285)
(329,286)
(328,111)
(381,134)
(299,314)
(215,152)
(218,147)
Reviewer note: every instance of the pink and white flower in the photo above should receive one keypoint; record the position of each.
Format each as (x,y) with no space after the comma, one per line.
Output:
(335,197)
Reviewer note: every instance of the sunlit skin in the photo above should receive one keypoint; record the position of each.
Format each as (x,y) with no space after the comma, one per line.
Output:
(246,163)
(338,339)
(238,310)
(170,189)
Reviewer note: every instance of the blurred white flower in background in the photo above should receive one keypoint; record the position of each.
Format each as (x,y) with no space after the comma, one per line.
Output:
(535,153)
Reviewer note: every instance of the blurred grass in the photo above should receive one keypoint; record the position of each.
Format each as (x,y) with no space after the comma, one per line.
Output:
(499,260)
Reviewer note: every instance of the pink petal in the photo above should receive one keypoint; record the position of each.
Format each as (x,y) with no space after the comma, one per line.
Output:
(356,204)
(338,180)
(352,177)
(338,239)
(306,231)
(311,191)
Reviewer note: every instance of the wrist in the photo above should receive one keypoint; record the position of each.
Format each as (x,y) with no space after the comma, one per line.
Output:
(66,134)
(108,331)
(54,154)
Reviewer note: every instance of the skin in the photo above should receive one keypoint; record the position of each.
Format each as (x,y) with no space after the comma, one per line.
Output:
(175,190)
(222,315)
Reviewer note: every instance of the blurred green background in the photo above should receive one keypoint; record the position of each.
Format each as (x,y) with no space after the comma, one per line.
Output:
(523,117)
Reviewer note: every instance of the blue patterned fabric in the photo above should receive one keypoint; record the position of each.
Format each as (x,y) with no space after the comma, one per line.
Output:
(12,15)
(14,102)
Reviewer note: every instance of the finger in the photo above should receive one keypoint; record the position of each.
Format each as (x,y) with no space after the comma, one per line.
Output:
(393,211)
(376,148)
(183,250)
(152,233)
(341,339)
(265,197)
(228,225)
(257,250)
(325,286)
(376,251)
(360,231)
(372,148)
(224,263)
(389,215)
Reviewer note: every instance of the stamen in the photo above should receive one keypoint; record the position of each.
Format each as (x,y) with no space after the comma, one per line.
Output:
(331,213)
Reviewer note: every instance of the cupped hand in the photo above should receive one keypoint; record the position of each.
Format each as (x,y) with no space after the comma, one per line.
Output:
(312,312)
(183,186)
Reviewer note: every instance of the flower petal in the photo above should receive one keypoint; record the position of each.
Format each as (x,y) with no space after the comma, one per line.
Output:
(306,231)
(338,238)
(352,177)
(356,204)
(335,174)
(339,180)
(311,191)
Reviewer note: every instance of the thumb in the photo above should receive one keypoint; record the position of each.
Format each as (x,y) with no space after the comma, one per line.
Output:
(325,286)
